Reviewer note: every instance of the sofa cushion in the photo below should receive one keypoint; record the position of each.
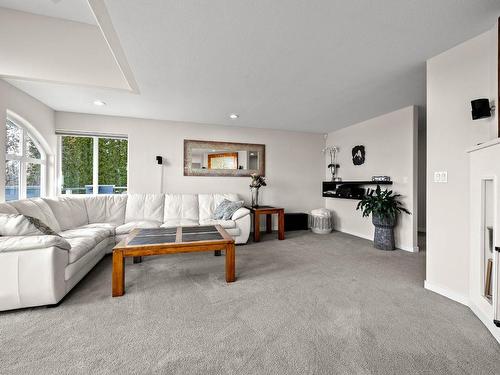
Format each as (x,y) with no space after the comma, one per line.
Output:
(91,257)
(180,223)
(70,212)
(128,227)
(142,207)
(233,231)
(80,246)
(208,203)
(98,234)
(109,226)
(106,208)
(38,208)
(6,208)
(18,243)
(226,224)
(181,206)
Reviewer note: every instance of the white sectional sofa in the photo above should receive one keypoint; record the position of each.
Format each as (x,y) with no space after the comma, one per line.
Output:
(40,269)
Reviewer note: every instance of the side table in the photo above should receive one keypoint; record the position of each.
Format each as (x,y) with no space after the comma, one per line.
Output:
(268,211)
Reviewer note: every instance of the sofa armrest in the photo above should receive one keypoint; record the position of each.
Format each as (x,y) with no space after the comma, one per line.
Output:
(240,212)
(19,243)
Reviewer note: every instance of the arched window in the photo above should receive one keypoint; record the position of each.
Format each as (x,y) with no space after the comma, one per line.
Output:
(25,163)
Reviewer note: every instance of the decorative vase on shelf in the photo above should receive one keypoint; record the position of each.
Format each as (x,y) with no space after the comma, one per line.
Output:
(255,196)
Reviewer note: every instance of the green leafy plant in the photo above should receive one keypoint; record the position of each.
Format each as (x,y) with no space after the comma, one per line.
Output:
(380,203)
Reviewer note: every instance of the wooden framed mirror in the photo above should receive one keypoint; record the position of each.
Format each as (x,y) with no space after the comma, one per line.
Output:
(209,158)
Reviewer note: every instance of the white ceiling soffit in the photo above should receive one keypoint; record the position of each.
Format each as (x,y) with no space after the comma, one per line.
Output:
(73,10)
(283,64)
(47,49)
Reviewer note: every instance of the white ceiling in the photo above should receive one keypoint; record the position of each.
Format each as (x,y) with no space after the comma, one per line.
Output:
(57,50)
(284,64)
(74,10)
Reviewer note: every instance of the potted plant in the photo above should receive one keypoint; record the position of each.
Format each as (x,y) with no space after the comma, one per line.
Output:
(384,207)
(257,182)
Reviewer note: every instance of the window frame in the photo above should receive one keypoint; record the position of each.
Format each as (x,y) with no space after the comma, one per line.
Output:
(95,158)
(24,160)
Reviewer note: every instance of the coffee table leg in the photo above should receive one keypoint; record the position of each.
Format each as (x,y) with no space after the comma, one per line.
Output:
(256,227)
(217,253)
(230,263)
(137,260)
(281,225)
(118,277)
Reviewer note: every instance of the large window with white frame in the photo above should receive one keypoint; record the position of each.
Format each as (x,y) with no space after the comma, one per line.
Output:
(25,163)
(93,164)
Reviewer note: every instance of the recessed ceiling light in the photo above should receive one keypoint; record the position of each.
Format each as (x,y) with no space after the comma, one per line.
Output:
(99,103)
(234,116)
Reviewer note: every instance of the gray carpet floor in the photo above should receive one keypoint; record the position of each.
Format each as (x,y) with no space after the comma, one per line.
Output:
(311,304)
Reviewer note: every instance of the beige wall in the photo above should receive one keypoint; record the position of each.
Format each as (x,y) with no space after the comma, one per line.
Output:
(36,114)
(391,149)
(294,162)
(454,78)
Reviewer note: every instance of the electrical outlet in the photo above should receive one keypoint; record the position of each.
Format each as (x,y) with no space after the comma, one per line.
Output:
(441,177)
(444,177)
(437,177)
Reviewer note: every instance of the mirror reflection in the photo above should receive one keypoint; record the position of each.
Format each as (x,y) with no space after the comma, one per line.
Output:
(224,159)
(210,158)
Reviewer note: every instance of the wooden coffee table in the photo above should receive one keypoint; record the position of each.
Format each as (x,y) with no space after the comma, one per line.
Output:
(158,241)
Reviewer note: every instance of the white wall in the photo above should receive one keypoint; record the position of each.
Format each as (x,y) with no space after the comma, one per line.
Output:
(39,116)
(294,162)
(454,78)
(391,149)
(484,165)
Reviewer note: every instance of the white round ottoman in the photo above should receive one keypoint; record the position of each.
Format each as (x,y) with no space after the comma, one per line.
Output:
(321,221)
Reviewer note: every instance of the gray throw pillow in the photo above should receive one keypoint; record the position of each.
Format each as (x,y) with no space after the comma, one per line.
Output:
(231,209)
(226,209)
(221,209)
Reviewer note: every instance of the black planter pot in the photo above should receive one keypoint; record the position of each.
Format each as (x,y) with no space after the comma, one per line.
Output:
(384,232)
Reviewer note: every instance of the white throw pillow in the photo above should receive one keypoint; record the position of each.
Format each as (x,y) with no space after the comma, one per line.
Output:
(22,225)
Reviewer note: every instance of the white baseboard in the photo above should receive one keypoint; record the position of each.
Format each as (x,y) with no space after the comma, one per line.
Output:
(411,249)
(488,322)
(457,297)
(360,235)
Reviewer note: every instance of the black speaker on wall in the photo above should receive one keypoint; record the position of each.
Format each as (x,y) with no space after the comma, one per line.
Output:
(159,160)
(480,109)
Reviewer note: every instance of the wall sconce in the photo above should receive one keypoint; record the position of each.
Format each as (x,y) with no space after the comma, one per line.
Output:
(160,160)
(481,108)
